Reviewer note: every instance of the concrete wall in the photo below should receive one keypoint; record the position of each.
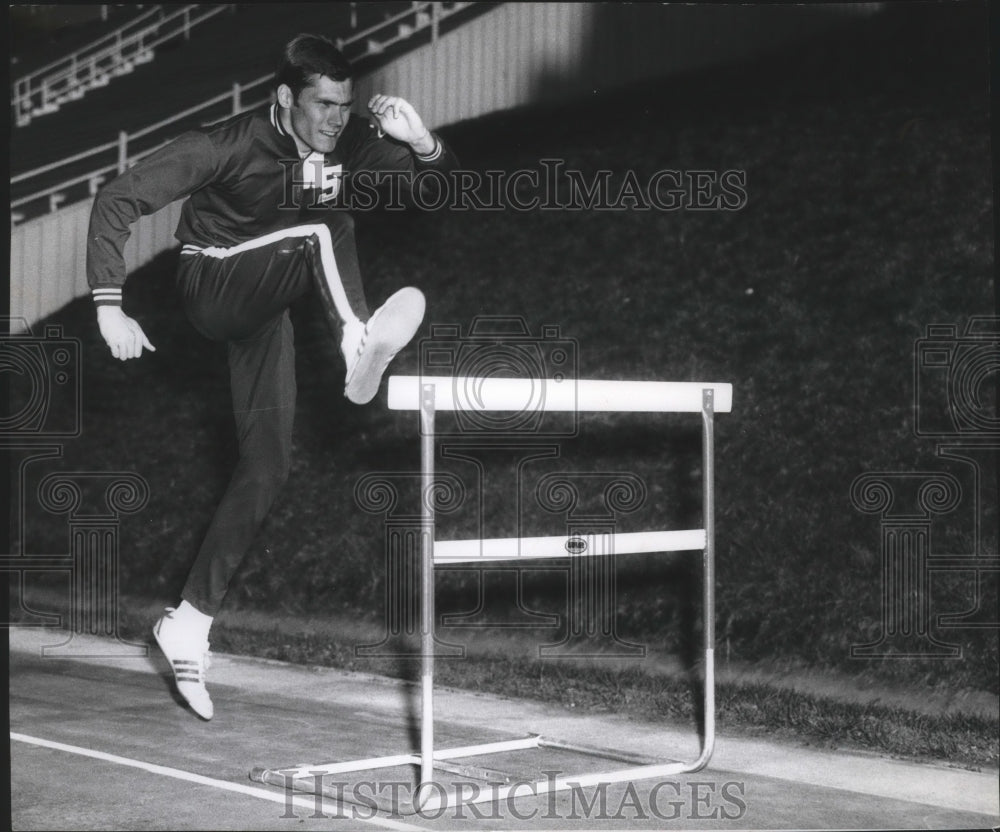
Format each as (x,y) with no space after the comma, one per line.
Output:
(524,53)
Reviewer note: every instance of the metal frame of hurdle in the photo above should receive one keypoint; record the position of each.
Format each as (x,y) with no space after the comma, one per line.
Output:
(431,394)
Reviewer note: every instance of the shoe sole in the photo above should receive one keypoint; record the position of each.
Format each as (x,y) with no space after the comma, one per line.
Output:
(392,328)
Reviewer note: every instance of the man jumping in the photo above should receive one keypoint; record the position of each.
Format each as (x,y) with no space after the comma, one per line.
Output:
(264,222)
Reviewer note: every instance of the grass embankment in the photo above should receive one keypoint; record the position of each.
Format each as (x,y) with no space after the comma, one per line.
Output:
(823,711)
(868,218)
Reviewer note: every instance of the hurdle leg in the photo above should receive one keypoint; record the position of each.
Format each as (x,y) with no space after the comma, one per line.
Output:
(708,604)
(426,591)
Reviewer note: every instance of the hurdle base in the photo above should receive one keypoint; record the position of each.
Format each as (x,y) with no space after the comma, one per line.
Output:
(482,784)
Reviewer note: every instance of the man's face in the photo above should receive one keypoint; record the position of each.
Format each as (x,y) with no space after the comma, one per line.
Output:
(321,112)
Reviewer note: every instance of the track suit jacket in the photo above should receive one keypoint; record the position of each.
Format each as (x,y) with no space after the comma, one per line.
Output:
(243,179)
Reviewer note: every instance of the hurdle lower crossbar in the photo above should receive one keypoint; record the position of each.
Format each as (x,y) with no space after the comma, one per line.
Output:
(429,394)
(290,774)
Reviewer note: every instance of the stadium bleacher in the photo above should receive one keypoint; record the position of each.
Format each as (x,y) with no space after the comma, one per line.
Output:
(42,34)
(185,73)
(182,74)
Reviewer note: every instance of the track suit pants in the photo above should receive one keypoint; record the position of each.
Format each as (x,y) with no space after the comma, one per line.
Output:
(240,295)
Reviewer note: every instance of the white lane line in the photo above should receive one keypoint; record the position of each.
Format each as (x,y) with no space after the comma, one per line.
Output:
(299,801)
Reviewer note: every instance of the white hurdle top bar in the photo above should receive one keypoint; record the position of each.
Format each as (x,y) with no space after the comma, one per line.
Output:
(469,393)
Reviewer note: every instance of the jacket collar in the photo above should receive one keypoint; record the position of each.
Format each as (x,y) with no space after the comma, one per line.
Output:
(276,121)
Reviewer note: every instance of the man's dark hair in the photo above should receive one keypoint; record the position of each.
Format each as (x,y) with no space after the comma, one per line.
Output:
(309,55)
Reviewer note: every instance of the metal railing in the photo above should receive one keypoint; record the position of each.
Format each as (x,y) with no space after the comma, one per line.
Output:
(118,53)
(122,150)
(399,27)
(121,153)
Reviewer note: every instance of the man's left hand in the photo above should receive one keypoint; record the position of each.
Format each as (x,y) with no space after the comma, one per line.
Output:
(397,118)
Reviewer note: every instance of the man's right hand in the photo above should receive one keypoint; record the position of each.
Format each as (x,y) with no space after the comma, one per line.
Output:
(122,334)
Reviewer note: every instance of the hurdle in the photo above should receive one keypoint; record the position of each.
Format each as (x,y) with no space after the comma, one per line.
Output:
(430,394)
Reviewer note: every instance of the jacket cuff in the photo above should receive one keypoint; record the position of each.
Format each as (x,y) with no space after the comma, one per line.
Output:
(435,154)
(107,296)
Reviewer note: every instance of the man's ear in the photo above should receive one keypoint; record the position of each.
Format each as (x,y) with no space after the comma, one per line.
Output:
(285,97)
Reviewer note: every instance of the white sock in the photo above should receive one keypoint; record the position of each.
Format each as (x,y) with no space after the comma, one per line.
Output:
(353,330)
(194,619)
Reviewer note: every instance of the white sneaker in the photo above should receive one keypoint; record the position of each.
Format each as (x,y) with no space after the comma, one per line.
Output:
(189,658)
(386,333)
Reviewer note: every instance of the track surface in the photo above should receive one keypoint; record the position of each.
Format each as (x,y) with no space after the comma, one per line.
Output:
(99,742)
